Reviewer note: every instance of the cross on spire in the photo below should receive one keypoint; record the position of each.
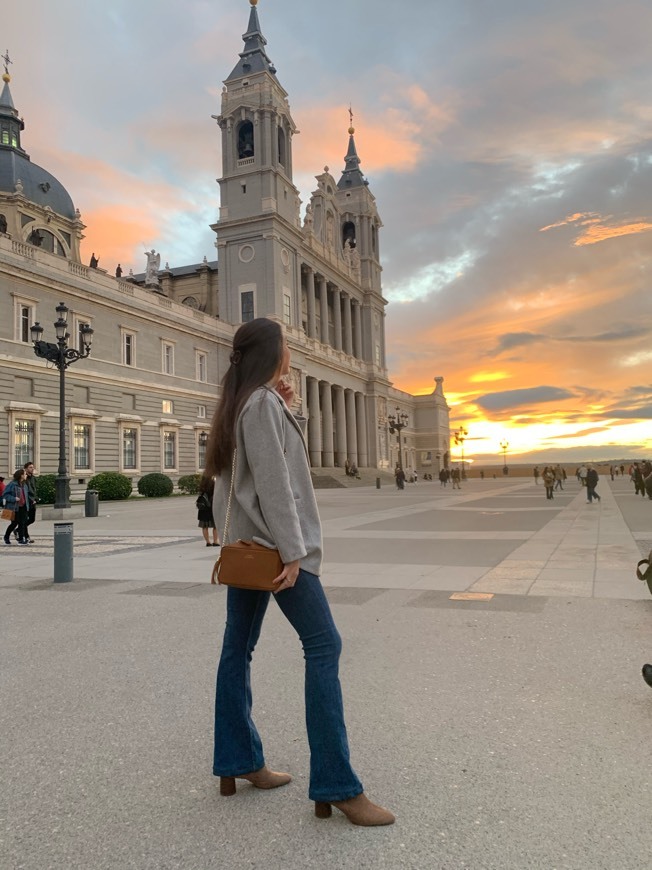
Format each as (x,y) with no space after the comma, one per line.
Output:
(7,60)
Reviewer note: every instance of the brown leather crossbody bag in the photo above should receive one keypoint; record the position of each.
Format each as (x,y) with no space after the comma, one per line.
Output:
(245,564)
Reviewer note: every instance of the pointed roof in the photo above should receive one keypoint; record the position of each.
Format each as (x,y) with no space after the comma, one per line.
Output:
(352,175)
(6,101)
(254,58)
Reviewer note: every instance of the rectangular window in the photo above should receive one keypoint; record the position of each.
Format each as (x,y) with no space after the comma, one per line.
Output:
(202,441)
(25,316)
(201,412)
(287,309)
(81,439)
(169,450)
(24,442)
(168,358)
(247,306)
(78,321)
(129,449)
(202,366)
(167,406)
(128,349)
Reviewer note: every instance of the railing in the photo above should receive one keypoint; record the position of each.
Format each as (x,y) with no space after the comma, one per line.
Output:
(79,270)
(125,287)
(164,301)
(198,315)
(247,161)
(22,248)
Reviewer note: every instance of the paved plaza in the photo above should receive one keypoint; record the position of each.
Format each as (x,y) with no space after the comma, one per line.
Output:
(506,731)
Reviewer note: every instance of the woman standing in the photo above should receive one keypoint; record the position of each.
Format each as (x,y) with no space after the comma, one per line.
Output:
(274,500)
(204,504)
(16,497)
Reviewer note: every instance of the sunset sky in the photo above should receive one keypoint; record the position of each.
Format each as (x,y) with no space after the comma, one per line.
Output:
(508,144)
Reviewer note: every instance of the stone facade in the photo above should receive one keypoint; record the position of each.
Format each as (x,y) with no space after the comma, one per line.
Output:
(144,399)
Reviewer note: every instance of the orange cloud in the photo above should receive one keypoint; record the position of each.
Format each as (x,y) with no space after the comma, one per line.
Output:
(599,228)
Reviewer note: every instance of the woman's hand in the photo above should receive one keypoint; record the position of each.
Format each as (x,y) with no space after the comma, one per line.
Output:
(288,576)
(286,391)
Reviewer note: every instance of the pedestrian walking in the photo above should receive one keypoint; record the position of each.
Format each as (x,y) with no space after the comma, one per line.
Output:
(30,480)
(536,474)
(548,481)
(560,477)
(204,505)
(443,477)
(16,499)
(592,478)
(581,473)
(456,478)
(399,476)
(255,439)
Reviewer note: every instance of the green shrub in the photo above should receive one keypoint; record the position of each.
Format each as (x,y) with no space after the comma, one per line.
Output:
(111,485)
(45,489)
(155,484)
(189,483)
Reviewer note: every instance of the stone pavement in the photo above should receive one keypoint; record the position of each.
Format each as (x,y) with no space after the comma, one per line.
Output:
(509,732)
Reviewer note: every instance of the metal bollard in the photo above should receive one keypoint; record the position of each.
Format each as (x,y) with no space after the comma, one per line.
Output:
(377,483)
(63,550)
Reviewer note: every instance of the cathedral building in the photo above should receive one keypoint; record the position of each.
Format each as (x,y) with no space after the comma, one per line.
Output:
(143,399)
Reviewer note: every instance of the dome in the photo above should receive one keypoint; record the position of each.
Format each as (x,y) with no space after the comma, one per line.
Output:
(39,186)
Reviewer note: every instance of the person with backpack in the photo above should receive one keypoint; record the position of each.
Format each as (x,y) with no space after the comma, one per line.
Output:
(204,505)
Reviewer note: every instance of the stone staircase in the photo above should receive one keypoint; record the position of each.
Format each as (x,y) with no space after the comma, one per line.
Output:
(335,478)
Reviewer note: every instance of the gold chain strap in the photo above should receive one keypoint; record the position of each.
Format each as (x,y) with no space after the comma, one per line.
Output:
(227,518)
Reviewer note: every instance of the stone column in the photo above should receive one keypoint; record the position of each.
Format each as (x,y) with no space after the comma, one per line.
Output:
(310,293)
(323,303)
(361,415)
(351,427)
(348,327)
(337,317)
(357,319)
(340,427)
(326,425)
(314,423)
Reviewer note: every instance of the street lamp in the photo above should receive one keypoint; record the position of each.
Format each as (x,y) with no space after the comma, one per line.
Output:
(62,356)
(460,437)
(503,446)
(398,422)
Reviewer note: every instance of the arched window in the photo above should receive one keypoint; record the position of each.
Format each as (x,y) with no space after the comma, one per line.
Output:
(47,241)
(245,140)
(373,238)
(282,151)
(348,233)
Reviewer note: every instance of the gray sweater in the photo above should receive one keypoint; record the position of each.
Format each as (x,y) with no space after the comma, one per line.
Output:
(273,497)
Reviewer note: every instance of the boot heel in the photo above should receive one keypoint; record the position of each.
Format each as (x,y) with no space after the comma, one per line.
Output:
(323,810)
(227,786)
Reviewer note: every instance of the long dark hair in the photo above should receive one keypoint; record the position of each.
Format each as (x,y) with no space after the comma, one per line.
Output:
(257,355)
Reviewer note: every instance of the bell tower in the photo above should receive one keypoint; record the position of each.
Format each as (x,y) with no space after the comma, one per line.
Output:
(259,205)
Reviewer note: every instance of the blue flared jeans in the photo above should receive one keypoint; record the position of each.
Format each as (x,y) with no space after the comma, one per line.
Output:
(238,747)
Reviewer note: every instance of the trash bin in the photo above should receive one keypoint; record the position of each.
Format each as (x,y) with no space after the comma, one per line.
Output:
(91,503)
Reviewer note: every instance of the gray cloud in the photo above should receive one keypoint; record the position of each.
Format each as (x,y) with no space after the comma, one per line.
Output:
(515,398)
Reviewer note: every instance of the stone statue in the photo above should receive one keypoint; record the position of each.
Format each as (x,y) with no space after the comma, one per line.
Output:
(153,266)
(94,261)
(355,258)
(348,250)
(3,224)
(308,220)
(118,271)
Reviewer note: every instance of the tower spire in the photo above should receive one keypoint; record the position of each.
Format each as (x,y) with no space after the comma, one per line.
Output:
(254,58)
(352,175)
(12,125)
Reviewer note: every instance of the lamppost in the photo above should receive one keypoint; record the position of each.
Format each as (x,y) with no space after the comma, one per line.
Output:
(62,356)
(503,446)
(460,438)
(398,422)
